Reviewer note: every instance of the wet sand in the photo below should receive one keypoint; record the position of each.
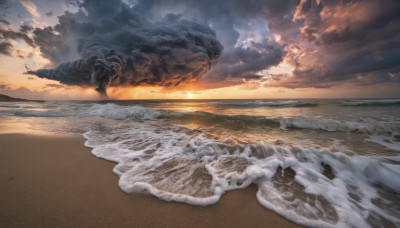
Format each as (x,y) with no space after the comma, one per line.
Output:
(52,180)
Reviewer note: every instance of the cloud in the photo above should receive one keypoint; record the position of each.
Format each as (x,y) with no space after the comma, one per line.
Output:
(5,86)
(241,28)
(327,42)
(3,8)
(245,63)
(5,48)
(49,14)
(54,85)
(173,42)
(334,42)
(49,92)
(8,33)
(116,45)
(30,7)
(23,54)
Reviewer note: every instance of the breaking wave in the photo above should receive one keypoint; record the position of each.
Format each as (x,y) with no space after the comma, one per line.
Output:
(366,126)
(376,102)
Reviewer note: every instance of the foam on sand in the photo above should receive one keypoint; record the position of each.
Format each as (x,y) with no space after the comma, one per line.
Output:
(316,187)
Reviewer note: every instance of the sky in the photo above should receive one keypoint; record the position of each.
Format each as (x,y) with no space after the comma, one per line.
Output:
(190,49)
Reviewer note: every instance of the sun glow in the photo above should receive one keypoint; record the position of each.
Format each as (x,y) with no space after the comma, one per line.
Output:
(189,95)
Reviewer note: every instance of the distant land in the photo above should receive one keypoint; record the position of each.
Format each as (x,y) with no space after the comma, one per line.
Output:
(8,98)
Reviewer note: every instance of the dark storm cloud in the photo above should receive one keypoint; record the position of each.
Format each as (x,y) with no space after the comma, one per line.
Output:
(52,44)
(117,45)
(343,41)
(328,42)
(229,19)
(170,42)
(339,41)
(244,63)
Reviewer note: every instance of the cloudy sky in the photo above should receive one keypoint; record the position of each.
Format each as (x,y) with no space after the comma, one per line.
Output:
(138,49)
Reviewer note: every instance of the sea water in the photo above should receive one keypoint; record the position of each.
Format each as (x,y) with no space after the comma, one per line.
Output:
(319,163)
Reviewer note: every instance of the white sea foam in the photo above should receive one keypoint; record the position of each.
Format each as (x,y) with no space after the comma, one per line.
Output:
(120,112)
(110,110)
(177,164)
(387,141)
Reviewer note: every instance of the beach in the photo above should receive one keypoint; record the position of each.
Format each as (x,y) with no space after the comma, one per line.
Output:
(242,163)
(52,180)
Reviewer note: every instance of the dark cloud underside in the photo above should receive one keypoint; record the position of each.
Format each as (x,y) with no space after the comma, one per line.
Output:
(117,45)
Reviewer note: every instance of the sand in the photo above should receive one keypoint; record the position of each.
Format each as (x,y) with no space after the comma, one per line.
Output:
(54,181)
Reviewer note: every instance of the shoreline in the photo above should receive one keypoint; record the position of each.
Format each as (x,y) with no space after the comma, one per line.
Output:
(52,180)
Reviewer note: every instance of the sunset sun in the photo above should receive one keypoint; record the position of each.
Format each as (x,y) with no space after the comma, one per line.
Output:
(189,95)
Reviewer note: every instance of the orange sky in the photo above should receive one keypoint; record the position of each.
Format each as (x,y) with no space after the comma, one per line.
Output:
(27,86)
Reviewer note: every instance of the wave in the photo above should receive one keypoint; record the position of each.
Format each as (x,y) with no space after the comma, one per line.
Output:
(109,110)
(260,103)
(32,113)
(137,112)
(120,112)
(382,102)
(313,187)
(367,126)
(326,124)
(227,121)
(384,133)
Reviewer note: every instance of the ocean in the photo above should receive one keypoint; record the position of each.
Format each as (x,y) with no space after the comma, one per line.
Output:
(317,162)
